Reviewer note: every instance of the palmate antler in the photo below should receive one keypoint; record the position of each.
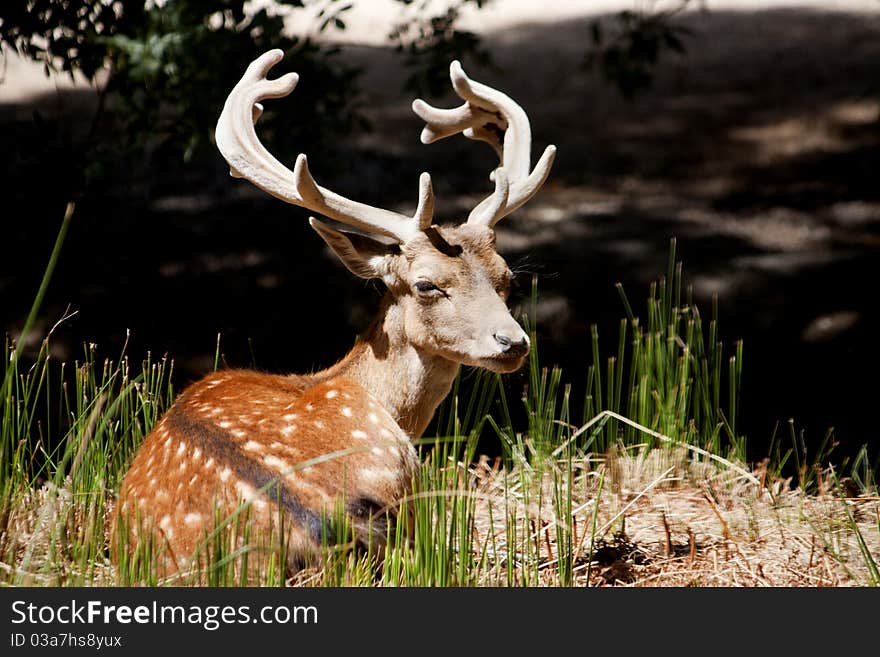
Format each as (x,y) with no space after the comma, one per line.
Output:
(487,115)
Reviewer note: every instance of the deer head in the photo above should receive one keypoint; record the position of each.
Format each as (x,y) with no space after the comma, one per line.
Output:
(448,285)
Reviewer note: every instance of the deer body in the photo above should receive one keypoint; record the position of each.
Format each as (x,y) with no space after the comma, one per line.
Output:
(294,448)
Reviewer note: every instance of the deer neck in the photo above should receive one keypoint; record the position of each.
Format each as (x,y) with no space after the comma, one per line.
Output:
(409,382)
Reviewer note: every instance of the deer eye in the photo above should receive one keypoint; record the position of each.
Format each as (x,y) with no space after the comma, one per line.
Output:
(426,287)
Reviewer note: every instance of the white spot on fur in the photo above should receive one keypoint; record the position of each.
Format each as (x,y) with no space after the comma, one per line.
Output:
(331,394)
(225,473)
(182,466)
(246,491)
(225,424)
(310,407)
(275,462)
(346,411)
(360,435)
(289,429)
(319,424)
(275,445)
(373,418)
(181,450)
(209,463)
(168,443)
(192,519)
(375,475)
(377,451)
(290,417)
(165,525)
(238,433)
(197,454)
(385,433)
(253,446)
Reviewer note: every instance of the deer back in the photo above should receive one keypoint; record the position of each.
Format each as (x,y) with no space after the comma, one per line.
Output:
(275,444)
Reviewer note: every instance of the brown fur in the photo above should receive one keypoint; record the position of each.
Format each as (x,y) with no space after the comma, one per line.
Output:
(232,433)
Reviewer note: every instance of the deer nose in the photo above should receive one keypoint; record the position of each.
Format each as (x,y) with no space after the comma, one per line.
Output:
(512,347)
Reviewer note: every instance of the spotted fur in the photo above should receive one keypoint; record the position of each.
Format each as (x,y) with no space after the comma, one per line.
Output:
(244,437)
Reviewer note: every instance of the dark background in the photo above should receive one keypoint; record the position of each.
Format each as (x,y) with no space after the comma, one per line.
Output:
(758,150)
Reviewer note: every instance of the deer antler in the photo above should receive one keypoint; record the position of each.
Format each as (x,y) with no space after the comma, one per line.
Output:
(491,116)
(248,158)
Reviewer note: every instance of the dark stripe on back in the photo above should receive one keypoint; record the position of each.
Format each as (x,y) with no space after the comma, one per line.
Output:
(216,442)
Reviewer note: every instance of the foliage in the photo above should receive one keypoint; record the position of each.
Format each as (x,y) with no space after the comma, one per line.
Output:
(162,71)
(625,50)
(170,64)
(166,72)
(177,59)
(68,35)
(429,42)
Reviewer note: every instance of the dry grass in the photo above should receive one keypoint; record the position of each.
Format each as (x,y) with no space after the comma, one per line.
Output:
(663,520)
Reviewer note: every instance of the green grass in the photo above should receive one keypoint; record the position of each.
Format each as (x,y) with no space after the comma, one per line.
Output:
(569,500)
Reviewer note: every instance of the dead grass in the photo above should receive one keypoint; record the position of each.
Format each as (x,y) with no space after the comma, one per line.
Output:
(663,520)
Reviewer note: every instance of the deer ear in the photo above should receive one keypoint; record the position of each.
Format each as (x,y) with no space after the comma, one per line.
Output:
(362,256)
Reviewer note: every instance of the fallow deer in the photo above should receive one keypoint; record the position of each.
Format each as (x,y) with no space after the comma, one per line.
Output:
(243,436)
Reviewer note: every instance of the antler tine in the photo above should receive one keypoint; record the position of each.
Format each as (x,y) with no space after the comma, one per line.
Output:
(517,140)
(491,116)
(247,157)
(521,191)
(495,205)
(442,123)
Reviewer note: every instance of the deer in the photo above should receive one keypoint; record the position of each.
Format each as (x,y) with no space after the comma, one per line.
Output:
(294,447)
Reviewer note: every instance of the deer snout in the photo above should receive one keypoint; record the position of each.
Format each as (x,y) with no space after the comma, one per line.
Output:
(512,345)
